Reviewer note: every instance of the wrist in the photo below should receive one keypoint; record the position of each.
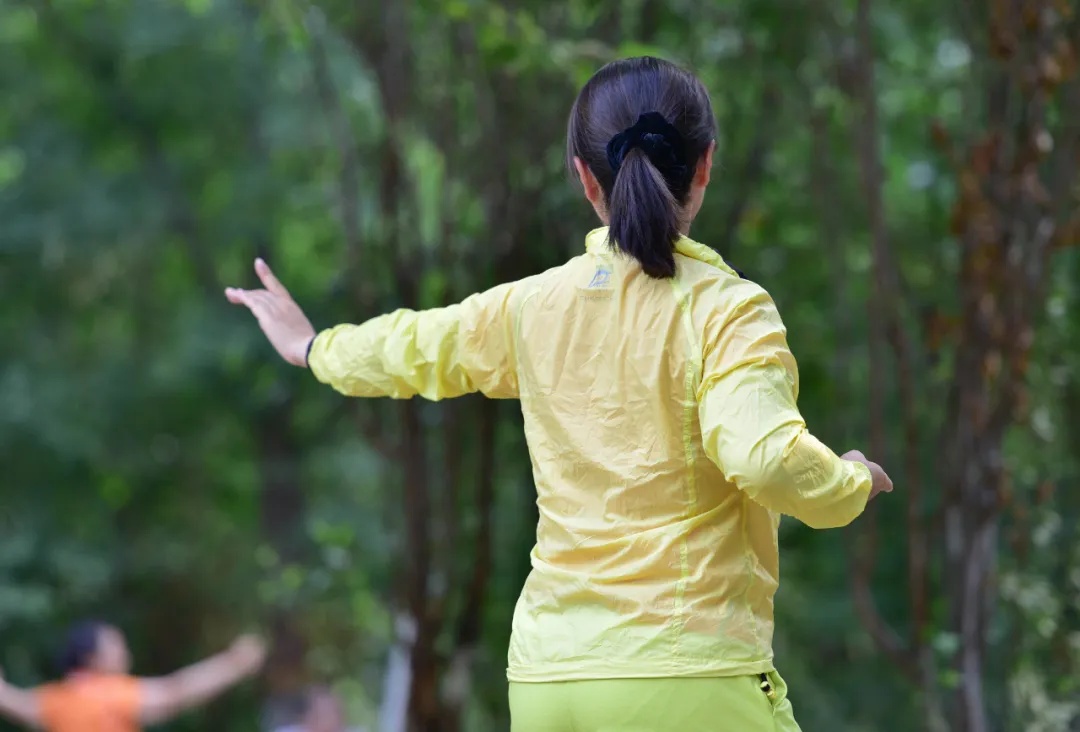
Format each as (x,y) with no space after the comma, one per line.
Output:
(306,363)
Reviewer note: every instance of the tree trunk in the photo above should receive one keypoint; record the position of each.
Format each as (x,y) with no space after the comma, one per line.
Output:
(1006,218)
(886,328)
(470,621)
(281,511)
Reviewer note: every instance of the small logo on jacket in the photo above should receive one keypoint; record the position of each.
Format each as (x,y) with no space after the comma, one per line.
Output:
(600,279)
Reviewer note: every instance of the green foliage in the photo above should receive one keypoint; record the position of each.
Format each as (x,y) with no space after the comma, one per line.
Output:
(148,151)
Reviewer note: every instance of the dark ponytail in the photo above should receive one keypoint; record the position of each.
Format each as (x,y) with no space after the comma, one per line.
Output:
(641,125)
(644,215)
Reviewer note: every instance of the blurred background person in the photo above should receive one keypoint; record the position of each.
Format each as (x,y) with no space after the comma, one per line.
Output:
(98,694)
(323,712)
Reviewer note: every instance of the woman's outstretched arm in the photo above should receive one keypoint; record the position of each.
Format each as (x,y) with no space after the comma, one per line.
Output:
(752,429)
(436,354)
(19,705)
(162,698)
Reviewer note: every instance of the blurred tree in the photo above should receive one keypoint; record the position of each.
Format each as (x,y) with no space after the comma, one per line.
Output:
(897,176)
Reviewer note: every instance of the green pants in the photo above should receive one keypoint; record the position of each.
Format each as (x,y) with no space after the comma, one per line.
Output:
(734,704)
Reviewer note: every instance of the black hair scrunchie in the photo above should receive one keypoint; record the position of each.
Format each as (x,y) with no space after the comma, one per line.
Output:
(658,138)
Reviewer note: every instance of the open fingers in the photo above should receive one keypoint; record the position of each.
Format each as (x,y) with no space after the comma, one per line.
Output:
(236,296)
(267,303)
(270,282)
(259,302)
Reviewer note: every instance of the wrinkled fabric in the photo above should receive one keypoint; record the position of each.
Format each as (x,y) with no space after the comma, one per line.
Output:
(665,440)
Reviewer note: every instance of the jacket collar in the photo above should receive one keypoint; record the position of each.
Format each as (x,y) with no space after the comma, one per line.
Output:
(597,241)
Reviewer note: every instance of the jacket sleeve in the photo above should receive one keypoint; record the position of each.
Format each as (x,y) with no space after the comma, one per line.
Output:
(435,354)
(751,427)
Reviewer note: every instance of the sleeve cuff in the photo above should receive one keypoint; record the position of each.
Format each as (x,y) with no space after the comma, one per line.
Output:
(866,482)
(315,360)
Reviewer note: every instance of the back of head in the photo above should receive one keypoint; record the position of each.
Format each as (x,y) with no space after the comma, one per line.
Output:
(641,125)
(80,646)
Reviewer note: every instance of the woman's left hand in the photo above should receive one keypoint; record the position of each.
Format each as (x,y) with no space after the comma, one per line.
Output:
(281,319)
(249,652)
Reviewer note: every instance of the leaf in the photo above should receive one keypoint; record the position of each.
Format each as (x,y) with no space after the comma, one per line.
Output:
(12,164)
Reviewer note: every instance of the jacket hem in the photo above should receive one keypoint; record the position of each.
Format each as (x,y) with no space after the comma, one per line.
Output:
(637,671)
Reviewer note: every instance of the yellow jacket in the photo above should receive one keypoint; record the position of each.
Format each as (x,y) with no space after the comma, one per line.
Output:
(665,442)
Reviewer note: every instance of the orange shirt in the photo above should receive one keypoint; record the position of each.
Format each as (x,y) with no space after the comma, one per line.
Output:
(90,703)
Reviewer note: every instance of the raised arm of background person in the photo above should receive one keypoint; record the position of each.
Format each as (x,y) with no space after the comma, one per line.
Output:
(18,705)
(436,354)
(750,424)
(165,697)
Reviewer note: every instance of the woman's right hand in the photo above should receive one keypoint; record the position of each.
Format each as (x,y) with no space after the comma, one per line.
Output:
(881,481)
(281,319)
